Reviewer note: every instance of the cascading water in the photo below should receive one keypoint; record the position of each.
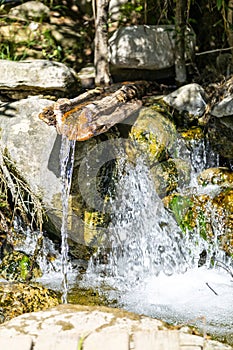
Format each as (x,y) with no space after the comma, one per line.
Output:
(143,238)
(67,163)
(152,266)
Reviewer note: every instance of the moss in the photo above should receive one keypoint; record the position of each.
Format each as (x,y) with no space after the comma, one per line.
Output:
(194,133)
(89,296)
(17,266)
(201,219)
(182,210)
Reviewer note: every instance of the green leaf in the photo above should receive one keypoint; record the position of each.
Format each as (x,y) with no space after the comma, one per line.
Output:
(219,4)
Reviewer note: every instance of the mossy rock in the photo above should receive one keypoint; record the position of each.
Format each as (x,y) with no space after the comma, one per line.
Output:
(181,207)
(83,296)
(17,266)
(206,214)
(153,135)
(216,176)
(169,175)
(224,203)
(18,298)
(191,212)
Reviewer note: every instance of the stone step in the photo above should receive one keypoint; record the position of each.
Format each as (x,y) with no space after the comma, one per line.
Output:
(18,342)
(107,339)
(110,339)
(56,342)
(162,340)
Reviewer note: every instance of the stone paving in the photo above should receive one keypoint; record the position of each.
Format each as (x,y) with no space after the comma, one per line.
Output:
(75,327)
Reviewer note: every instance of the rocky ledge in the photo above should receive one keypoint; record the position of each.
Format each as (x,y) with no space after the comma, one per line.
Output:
(84,327)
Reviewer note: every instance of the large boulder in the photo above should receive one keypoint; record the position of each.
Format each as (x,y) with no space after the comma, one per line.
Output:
(188,98)
(30,10)
(147,48)
(33,77)
(76,326)
(33,147)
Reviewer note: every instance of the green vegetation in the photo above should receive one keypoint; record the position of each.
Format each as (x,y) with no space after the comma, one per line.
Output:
(182,210)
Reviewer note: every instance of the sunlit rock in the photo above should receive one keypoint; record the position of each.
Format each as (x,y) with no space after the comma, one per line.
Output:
(153,135)
(33,77)
(31,10)
(69,325)
(188,98)
(145,47)
(34,149)
(216,176)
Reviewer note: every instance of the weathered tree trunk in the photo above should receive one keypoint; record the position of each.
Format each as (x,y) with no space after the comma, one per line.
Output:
(180,68)
(82,118)
(230,26)
(101,43)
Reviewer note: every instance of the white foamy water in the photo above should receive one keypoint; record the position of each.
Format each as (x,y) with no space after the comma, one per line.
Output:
(200,296)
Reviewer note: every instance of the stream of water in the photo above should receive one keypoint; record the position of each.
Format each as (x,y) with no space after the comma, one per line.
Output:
(67,164)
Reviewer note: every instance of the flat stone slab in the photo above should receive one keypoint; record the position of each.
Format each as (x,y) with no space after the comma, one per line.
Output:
(19,342)
(33,77)
(76,327)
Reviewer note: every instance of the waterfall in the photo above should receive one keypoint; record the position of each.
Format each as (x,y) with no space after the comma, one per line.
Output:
(152,267)
(67,163)
(144,238)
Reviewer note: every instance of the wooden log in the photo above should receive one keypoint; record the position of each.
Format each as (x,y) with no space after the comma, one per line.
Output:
(87,115)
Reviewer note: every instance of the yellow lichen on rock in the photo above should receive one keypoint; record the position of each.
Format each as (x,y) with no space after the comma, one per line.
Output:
(18,298)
